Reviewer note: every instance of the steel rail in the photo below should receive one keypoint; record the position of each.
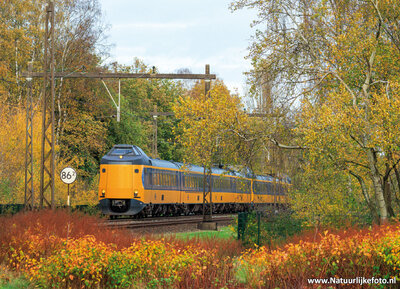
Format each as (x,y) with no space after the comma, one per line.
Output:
(133,224)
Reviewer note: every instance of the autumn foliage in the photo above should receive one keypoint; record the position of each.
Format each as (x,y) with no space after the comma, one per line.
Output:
(330,67)
(348,254)
(207,125)
(57,249)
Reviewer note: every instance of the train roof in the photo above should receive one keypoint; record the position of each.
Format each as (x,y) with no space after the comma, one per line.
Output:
(126,155)
(163,164)
(190,167)
(264,178)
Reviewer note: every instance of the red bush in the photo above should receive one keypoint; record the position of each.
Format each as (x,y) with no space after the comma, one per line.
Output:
(17,229)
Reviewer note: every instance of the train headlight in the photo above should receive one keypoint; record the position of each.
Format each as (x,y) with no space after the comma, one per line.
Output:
(103,193)
(135,194)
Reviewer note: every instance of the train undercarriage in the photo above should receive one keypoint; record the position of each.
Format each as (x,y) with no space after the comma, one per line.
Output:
(136,209)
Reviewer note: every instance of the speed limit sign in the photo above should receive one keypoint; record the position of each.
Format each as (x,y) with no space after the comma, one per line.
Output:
(68,175)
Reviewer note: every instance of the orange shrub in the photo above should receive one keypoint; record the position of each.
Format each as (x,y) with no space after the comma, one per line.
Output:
(58,249)
(17,229)
(348,255)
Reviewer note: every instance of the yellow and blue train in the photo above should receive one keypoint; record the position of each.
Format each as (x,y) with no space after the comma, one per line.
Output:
(131,183)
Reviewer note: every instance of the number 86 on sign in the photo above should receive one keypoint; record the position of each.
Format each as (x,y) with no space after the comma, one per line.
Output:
(68,175)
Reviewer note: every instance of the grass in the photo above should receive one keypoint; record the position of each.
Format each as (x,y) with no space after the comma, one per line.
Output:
(222,233)
(12,280)
(15,284)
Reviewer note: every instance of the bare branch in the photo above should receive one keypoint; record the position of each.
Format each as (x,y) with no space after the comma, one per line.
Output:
(290,147)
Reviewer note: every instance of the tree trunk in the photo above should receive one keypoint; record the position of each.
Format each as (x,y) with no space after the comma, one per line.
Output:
(364,191)
(397,174)
(388,198)
(387,192)
(377,184)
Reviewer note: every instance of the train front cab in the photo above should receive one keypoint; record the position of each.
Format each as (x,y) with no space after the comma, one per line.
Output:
(120,186)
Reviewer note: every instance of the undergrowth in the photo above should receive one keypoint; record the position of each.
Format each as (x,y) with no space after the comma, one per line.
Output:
(69,250)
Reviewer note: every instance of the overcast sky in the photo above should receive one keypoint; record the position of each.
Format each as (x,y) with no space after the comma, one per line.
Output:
(174,34)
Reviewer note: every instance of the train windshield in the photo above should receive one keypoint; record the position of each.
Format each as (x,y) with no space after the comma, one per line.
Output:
(124,152)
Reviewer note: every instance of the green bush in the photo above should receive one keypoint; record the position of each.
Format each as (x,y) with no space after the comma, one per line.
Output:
(275,227)
(91,210)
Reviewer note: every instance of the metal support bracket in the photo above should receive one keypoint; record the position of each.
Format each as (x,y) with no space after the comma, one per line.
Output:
(118,106)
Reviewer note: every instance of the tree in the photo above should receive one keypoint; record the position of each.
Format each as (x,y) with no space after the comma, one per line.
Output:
(78,38)
(20,33)
(207,125)
(338,59)
(138,98)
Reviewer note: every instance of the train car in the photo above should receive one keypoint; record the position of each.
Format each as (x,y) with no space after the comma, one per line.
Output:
(131,183)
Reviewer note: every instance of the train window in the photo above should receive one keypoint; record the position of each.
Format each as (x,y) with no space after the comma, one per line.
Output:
(243,186)
(154,178)
(233,185)
(227,184)
(221,184)
(268,188)
(262,188)
(216,184)
(186,181)
(255,187)
(193,182)
(200,182)
(124,151)
(147,178)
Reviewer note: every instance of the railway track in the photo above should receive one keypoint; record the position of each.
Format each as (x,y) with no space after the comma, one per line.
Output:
(170,221)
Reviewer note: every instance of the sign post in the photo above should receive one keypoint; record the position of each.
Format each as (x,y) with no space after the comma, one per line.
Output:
(68,176)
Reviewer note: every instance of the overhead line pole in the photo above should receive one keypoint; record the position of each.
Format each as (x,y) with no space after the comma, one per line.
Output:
(47,165)
(207,204)
(29,195)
